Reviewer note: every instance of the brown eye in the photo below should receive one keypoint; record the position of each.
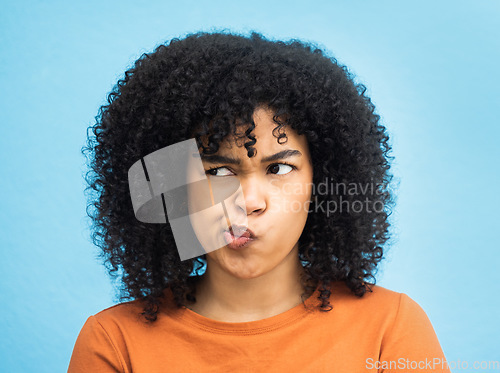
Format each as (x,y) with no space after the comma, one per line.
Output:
(277,167)
(218,171)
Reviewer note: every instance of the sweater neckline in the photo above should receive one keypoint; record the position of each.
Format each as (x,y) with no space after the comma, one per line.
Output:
(304,308)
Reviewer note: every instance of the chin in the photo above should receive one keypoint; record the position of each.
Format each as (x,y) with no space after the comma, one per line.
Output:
(249,277)
(245,273)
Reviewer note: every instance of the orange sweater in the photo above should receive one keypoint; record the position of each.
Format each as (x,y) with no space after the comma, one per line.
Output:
(383,331)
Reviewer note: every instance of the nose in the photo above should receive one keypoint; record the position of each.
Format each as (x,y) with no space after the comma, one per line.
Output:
(254,195)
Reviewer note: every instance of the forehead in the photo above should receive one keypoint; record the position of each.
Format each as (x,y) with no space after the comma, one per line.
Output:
(266,136)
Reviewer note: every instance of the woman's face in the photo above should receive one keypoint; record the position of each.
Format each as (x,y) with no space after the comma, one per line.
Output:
(273,201)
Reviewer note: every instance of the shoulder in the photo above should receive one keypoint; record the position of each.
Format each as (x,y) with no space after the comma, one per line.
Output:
(101,342)
(378,303)
(375,296)
(393,320)
(392,316)
(129,315)
(125,312)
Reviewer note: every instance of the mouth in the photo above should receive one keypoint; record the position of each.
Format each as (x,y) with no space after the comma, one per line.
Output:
(241,231)
(238,237)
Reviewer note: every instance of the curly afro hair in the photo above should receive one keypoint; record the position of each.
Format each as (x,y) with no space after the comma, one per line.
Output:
(207,85)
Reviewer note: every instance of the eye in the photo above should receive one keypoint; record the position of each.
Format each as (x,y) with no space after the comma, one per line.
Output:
(214,171)
(285,168)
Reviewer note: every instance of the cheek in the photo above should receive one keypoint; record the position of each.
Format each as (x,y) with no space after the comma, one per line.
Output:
(289,216)
(296,203)
(291,191)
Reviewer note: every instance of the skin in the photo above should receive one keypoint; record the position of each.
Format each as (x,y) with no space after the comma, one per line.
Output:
(263,279)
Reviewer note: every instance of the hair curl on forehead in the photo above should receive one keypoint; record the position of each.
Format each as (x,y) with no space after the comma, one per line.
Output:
(239,131)
(208,85)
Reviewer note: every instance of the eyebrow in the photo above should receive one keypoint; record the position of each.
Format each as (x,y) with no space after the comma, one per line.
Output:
(215,158)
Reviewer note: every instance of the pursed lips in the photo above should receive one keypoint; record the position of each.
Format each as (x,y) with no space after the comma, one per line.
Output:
(241,231)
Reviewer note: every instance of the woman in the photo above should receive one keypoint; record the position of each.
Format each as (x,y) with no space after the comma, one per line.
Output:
(287,194)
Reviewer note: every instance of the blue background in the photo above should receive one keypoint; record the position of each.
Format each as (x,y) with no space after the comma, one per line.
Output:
(431,68)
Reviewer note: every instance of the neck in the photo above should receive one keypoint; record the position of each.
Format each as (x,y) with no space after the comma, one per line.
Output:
(223,297)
